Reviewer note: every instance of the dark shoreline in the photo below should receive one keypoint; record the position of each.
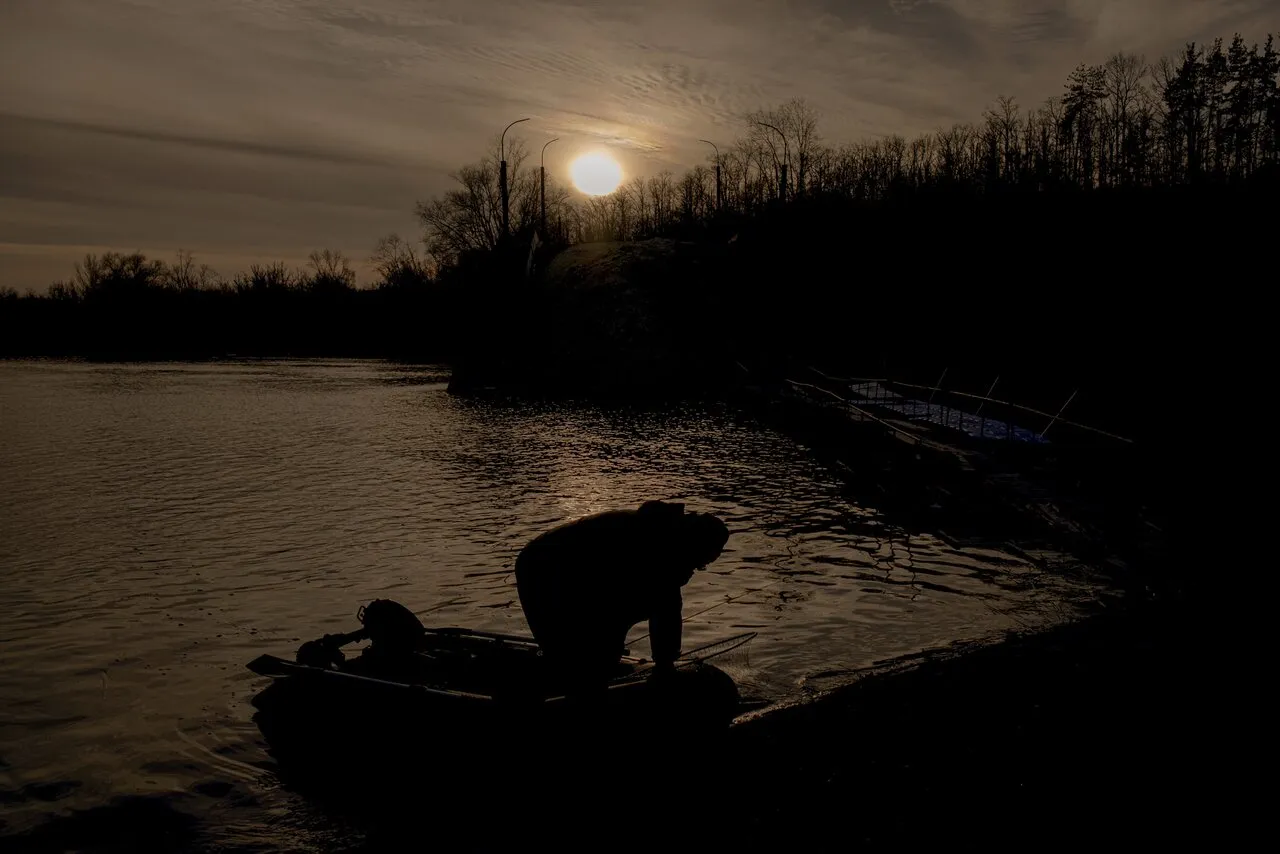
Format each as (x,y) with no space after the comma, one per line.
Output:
(1103,729)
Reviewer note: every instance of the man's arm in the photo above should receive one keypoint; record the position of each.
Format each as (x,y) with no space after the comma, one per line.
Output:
(664,630)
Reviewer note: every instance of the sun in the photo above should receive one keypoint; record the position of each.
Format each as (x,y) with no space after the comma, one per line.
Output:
(596,174)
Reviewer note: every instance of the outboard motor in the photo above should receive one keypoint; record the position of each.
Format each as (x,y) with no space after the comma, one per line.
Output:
(392,627)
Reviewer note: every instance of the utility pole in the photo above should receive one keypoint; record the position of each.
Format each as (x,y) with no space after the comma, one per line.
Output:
(502,177)
(786,159)
(719,192)
(542,188)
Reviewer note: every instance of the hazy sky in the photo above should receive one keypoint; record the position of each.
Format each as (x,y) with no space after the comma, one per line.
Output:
(261,129)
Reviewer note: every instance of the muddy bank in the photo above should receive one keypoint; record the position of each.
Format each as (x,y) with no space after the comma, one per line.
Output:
(1115,730)
(1111,729)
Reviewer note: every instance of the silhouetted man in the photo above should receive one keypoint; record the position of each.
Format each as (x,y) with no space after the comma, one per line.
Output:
(584,584)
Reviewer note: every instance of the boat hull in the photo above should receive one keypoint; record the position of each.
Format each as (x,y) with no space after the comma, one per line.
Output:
(349,725)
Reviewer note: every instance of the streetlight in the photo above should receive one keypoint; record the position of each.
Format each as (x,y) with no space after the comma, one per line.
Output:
(719,194)
(542,185)
(786,158)
(502,176)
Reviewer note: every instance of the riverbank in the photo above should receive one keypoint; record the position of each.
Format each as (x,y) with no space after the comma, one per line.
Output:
(1122,729)
(1110,730)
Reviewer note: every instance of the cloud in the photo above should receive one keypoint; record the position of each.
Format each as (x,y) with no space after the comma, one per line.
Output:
(213,144)
(262,126)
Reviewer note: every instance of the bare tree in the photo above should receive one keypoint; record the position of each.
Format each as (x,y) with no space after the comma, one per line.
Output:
(1000,135)
(183,274)
(115,275)
(953,151)
(331,271)
(266,279)
(622,211)
(639,191)
(398,264)
(798,123)
(662,194)
(469,217)
(1122,77)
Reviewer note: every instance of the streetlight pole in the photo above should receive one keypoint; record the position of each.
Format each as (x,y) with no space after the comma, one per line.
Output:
(542,186)
(786,158)
(502,176)
(719,193)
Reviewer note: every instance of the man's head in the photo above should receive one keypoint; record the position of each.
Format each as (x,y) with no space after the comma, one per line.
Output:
(705,537)
(694,539)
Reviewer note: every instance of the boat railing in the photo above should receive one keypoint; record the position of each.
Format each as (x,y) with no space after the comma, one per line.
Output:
(978,415)
(860,412)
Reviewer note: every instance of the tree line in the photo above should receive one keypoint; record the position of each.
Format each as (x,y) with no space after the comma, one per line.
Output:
(1050,201)
(1210,115)
(125,305)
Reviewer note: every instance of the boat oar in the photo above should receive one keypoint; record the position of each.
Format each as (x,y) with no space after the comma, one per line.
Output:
(716,648)
(712,607)
(458,632)
(695,656)
(699,654)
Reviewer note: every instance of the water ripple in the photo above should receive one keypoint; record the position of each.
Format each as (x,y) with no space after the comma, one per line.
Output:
(162,525)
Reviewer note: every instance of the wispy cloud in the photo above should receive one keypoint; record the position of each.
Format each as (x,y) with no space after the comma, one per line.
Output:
(266,126)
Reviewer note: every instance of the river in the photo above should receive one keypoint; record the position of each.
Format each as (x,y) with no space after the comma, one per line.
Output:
(163,524)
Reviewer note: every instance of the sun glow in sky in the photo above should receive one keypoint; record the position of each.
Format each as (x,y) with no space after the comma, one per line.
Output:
(255,132)
(596,174)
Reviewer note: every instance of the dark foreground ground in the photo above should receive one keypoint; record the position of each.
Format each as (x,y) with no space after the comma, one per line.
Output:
(1120,729)
(1124,729)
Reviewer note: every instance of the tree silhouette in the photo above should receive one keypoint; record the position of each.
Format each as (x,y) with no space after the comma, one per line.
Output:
(331,272)
(398,264)
(468,218)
